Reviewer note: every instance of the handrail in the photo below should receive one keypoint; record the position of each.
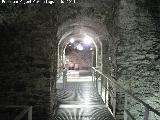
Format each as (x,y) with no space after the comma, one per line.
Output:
(13,106)
(21,114)
(127,92)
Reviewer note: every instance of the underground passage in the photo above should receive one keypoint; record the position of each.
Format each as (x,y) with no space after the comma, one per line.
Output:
(80,60)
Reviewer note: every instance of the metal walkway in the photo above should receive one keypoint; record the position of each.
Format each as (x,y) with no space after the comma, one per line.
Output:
(79,100)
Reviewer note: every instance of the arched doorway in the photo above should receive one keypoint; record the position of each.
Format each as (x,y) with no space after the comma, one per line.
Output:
(79,54)
(82,40)
(80,48)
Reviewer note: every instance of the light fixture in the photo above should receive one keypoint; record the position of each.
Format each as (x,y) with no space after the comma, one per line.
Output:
(72,40)
(91,48)
(80,47)
(87,40)
(67,60)
(69,45)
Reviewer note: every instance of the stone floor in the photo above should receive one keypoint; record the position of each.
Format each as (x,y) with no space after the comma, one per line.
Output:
(80,101)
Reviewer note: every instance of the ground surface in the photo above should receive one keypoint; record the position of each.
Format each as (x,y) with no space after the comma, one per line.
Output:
(79,100)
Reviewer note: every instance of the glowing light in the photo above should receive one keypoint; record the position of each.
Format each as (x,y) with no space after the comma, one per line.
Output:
(91,48)
(88,40)
(72,40)
(67,60)
(80,47)
(69,45)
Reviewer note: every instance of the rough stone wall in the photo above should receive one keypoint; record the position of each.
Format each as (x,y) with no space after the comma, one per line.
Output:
(26,56)
(83,59)
(138,51)
(29,52)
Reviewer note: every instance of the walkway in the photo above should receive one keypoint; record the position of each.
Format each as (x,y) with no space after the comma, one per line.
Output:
(79,100)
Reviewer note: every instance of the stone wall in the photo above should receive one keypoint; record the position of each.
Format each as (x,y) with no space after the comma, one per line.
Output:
(27,50)
(138,51)
(82,58)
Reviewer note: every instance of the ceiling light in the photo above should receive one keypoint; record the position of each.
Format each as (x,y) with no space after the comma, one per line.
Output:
(87,40)
(80,47)
(72,40)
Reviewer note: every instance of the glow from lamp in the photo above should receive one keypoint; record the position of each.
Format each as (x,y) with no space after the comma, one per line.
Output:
(80,47)
(72,40)
(87,40)
(91,48)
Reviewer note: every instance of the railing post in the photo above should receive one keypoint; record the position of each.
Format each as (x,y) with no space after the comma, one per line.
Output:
(97,80)
(64,78)
(106,86)
(114,100)
(94,78)
(146,113)
(101,84)
(92,75)
(125,106)
(30,113)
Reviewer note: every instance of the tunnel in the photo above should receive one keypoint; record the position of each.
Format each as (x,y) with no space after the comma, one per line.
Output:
(79,31)
(80,60)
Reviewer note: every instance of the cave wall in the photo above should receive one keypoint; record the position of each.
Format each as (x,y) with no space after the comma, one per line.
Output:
(29,49)
(82,59)
(137,54)
(27,56)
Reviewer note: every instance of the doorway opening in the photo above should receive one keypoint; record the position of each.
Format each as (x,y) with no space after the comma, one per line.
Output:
(79,53)
(80,49)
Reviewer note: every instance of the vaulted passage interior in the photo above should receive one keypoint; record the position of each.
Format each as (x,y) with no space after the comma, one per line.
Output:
(80,49)
(80,44)
(102,54)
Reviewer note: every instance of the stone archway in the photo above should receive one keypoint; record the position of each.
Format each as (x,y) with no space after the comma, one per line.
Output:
(79,28)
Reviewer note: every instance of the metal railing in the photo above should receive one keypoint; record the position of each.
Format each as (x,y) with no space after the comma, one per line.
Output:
(26,110)
(60,72)
(109,86)
(64,77)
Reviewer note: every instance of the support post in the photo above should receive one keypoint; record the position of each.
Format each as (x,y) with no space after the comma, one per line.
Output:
(92,76)
(101,84)
(125,107)
(107,91)
(114,100)
(64,78)
(105,87)
(97,80)
(146,113)
(30,113)
(95,76)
